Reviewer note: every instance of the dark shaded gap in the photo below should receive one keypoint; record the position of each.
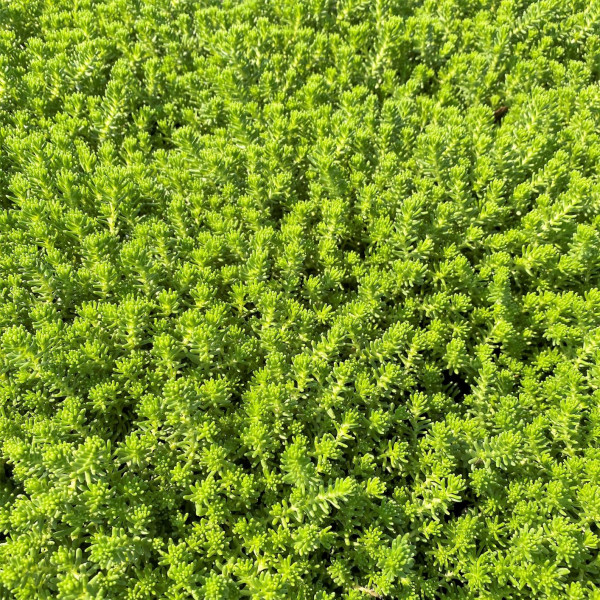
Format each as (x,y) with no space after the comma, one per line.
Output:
(456,384)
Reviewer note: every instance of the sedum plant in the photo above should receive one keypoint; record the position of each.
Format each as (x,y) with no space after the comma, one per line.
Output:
(299,299)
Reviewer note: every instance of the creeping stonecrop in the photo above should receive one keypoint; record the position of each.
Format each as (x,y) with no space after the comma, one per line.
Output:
(299,299)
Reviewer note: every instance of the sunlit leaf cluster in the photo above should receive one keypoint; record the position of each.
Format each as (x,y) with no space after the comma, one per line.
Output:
(299,299)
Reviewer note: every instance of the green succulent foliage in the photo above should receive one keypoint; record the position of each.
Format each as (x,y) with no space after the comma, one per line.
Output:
(299,299)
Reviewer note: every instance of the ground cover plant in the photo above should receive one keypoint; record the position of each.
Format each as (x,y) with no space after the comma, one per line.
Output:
(299,299)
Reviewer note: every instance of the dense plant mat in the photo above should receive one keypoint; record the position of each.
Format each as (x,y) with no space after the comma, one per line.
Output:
(299,299)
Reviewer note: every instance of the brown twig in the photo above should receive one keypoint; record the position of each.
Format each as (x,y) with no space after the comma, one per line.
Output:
(499,113)
(369,591)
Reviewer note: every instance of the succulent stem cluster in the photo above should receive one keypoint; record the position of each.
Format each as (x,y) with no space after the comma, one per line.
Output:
(299,299)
